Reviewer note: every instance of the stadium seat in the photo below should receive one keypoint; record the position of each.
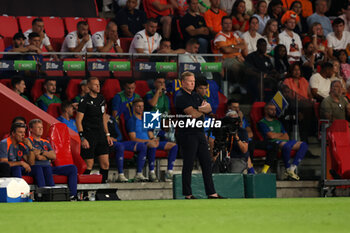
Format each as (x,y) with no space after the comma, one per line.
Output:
(59,179)
(110,88)
(28,179)
(256,114)
(54,27)
(99,74)
(25,22)
(71,23)
(8,28)
(75,73)
(54,110)
(6,82)
(73,88)
(338,136)
(37,89)
(125,43)
(122,124)
(142,87)
(222,108)
(2,47)
(60,140)
(96,24)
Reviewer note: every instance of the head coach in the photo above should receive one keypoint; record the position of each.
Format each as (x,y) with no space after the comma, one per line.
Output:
(189,105)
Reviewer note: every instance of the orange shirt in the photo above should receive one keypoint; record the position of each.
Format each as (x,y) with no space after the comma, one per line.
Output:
(305,4)
(213,20)
(223,40)
(299,88)
(153,12)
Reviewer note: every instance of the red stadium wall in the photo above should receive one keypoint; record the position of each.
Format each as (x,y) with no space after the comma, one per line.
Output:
(12,105)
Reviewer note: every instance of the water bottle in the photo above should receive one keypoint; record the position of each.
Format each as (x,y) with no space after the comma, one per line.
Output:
(92,196)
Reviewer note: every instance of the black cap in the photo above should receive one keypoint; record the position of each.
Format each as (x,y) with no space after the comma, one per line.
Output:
(19,35)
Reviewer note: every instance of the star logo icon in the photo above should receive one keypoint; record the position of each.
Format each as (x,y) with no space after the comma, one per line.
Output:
(155,115)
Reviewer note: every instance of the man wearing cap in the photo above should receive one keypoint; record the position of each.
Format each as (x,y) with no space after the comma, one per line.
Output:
(289,38)
(18,46)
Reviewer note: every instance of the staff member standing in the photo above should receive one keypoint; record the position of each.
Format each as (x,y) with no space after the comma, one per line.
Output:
(93,130)
(192,140)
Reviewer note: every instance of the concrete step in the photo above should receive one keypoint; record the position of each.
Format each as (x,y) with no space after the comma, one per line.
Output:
(294,189)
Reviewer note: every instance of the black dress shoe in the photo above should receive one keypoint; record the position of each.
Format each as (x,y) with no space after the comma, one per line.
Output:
(190,197)
(216,197)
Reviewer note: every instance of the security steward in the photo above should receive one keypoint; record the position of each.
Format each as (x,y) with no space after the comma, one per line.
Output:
(192,141)
(92,127)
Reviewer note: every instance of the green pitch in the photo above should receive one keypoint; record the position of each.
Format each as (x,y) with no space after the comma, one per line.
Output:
(168,216)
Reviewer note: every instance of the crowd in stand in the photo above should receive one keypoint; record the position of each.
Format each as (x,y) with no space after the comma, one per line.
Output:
(285,44)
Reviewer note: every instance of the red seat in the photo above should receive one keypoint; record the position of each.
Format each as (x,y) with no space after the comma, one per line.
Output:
(338,136)
(28,179)
(100,74)
(110,88)
(54,110)
(96,24)
(60,140)
(256,114)
(6,82)
(2,47)
(122,123)
(222,108)
(25,22)
(142,87)
(125,44)
(8,28)
(73,88)
(59,179)
(81,73)
(71,23)
(37,89)
(54,27)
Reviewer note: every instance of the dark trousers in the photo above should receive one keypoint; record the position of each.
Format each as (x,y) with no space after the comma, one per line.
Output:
(192,146)
(72,175)
(270,147)
(41,174)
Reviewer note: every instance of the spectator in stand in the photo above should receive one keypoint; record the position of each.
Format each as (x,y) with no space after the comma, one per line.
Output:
(260,66)
(227,5)
(44,154)
(344,65)
(130,20)
(84,89)
(316,37)
(138,133)
(18,41)
(270,34)
(79,40)
(347,94)
(161,10)
(310,60)
(274,11)
(108,40)
(19,85)
(49,96)
(156,99)
(240,19)
(119,146)
(17,151)
(306,6)
(335,106)
(165,47)
(280,60)
(289,38)
(38,27)
(339,39)
(251,36)
(122,101)
(301,26)
(192,47)
(193,26)
(213,17)
(319,16)
(273,131)
(67,112)
(233,49)
(346,16)
(337,74)
(147,40)
(297,83)
(34,41)
(261,14)
(320,82)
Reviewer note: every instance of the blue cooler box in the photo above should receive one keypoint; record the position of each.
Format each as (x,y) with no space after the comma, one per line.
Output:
(14,190)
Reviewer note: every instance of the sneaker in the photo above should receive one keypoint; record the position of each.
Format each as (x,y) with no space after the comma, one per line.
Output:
(140,178)
(122,178)
(152,177)
(169,176)
(73,198)
(291,174)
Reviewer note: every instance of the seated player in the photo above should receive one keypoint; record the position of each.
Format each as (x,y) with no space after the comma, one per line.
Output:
(67,110)
(156,99)
(49,96)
